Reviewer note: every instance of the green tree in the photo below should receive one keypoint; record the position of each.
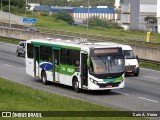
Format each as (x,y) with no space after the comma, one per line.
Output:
(150,20)
(15,3)
(75,3)
(94,21)
(64,16)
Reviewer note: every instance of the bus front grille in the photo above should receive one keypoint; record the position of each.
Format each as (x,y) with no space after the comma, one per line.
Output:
(109,85)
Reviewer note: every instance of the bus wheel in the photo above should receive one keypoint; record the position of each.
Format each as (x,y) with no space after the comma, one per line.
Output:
(76,85)
(108,91)
(44,78)
(17,53)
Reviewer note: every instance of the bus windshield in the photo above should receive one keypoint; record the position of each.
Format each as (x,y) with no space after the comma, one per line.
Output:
(107,64)
(128,54)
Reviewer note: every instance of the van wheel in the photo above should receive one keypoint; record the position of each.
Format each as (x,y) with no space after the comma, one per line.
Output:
(76,85)
(24,54)
(136,74)
(44,78)
(17,53)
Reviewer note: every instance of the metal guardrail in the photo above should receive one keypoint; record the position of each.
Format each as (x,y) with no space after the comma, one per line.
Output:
(17,26)
(149,61)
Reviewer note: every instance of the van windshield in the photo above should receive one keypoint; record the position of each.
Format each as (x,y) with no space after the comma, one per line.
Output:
(128,54)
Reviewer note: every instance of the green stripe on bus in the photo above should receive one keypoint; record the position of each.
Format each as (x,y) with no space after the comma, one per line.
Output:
(71,47)
(55,46)
(46,44)
(114,80)
(66,69)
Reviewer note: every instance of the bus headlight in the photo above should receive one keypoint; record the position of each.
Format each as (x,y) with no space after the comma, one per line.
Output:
(93,81)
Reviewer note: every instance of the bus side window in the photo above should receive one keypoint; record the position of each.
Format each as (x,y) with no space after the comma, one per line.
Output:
(57,57)
(50,58)
(77,63)
(29,50)
(63,58)
(56,61)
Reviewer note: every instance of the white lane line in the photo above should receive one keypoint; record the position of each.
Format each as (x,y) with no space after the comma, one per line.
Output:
(14,66)
(121,92)
(150,77)
(148,99)
(9,65)
(21,68)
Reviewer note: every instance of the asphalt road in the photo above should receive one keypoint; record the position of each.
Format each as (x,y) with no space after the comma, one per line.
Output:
(141,93)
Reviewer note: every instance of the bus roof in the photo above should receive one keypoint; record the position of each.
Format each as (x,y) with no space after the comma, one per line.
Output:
(71,43)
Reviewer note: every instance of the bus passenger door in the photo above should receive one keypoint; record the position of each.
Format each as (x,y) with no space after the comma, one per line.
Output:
(55,62)
(36,61)
(84,70)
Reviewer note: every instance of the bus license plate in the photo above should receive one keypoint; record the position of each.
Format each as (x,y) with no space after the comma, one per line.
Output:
(109,86)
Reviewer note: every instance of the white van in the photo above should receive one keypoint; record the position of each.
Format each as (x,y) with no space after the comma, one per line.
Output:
(131,61)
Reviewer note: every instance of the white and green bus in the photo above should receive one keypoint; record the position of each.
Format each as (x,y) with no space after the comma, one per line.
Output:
(80,65)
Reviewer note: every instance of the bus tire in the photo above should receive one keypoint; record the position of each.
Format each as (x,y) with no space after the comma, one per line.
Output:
(17,53)
(44,78)
(108,91)
(76,85)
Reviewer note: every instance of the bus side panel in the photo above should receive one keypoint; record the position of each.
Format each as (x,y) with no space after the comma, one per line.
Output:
(49,76)
(65,79)
(30,67)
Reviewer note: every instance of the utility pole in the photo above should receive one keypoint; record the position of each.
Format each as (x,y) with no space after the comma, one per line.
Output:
(9,15)
(88,18)
(26,8)
(158,16)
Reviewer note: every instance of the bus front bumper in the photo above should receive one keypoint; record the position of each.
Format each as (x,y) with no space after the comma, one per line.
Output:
(105,86)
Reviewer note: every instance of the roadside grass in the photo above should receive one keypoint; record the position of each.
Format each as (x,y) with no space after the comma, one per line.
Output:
(9,40)
(52,23)
(150,66)
(46,22)
(16,97)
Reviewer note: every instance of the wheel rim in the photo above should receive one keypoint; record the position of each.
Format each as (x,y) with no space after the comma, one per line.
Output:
(44,79)
(76,84)
(17,53)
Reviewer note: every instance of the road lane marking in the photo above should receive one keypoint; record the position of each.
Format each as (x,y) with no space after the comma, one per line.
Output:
(121,92)
(148,99)
(13,66)
(9,65)
(21,68)
(150,77)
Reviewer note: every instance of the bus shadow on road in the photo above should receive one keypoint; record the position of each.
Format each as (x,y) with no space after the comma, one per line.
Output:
(82,91)
(100,92)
